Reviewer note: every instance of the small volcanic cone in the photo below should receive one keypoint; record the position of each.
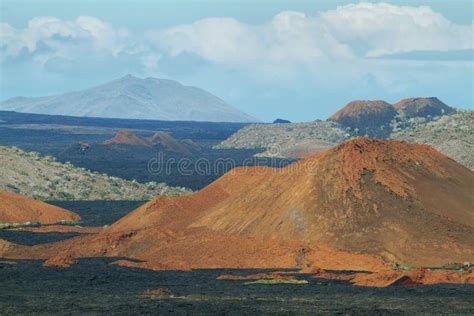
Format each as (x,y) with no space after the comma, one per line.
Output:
(18,209)
(160,140)
(165,142)
(370,118)
(422,107)
(125,137)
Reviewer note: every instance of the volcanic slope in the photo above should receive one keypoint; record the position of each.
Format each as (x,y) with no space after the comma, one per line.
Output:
(18,209)
(345,208)
(407,203)
(291,140)
(453,135)
(44,178)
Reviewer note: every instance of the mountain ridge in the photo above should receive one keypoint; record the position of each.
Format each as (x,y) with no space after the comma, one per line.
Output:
(134,98)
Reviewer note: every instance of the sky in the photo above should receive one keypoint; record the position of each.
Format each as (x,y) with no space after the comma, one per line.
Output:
(297,60)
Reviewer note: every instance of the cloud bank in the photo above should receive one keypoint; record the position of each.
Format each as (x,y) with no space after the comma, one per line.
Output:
(347,32)
(354,42)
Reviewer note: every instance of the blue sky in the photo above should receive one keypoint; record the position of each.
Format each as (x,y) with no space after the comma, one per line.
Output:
(299,60)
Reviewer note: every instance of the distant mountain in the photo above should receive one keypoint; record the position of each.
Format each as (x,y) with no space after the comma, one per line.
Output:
(281,121)
(134,98)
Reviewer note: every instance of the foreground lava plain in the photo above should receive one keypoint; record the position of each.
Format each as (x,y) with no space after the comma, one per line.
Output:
(94,285)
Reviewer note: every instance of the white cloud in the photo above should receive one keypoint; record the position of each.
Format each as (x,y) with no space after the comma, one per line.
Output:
(48,30)
(106,36)
(378,29)
(49,37)
(288,37)
(216,39)
(289,41)
(9,42)
(295,36)
(354,30)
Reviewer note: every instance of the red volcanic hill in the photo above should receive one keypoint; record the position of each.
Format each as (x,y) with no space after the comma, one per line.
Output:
(344,208)
(407,203)
(125,137)
(369,117)
(160,140)
(422,107)
(18,209)
(167,143)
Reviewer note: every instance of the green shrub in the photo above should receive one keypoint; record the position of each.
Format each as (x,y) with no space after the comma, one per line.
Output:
(11,187)
(65,196)
(15,225)
(72,223)
(269,281)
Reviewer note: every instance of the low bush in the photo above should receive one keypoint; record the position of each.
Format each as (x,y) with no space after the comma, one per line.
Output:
(270,281)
